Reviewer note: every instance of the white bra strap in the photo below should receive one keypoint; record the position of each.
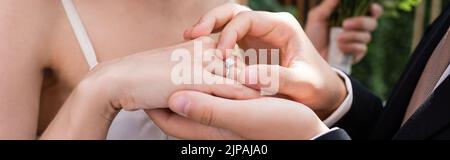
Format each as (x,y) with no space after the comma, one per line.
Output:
(80,33)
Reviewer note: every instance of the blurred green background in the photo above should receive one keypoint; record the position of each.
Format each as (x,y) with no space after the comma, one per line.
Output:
(399,29)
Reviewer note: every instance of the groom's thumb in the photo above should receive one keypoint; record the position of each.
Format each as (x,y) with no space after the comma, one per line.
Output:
(204,108)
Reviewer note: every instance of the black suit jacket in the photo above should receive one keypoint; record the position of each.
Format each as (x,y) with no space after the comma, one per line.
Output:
(368,119)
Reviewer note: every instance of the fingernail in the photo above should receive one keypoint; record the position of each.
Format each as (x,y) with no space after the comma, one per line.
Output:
(179,105)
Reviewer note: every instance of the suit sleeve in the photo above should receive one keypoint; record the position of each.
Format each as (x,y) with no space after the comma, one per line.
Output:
(365,111)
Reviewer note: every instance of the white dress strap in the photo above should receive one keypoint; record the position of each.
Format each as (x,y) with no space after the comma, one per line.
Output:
(81,34)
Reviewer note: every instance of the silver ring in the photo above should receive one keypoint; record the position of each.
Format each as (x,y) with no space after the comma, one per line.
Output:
(229,63)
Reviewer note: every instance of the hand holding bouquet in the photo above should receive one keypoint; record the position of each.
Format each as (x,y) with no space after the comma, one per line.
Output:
(356,8)
(345,9)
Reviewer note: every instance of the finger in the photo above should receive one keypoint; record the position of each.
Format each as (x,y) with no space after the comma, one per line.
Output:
(270,79)
(184,128)
(358,50)
(235,66)
(214,19)
(208,45)
(187,33)
(213,62)
(206,109)
(229,69)
(214,81)
(232,89)
(361,23)
(324,10)
(355,36)
(234,31)
(273,28)
(246,24)
(358,57)
(217,67)
(226,88)
(376,10)
(246,118)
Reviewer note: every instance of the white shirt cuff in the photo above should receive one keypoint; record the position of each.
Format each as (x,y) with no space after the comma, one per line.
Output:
(345,106)
(320,135)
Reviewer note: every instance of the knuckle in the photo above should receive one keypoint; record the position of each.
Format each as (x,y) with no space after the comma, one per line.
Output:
(286,15)
(237,7)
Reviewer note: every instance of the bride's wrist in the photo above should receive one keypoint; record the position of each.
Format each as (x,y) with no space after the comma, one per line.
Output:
(87,114)
(99,96)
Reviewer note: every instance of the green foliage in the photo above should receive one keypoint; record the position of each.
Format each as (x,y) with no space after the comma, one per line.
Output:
(353,8)
(394,7)
(350,8)
(390,49)
(271,6)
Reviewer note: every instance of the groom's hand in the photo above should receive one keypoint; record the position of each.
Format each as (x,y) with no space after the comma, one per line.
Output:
(251,30)
(202,116)
(304,75)
(301,83)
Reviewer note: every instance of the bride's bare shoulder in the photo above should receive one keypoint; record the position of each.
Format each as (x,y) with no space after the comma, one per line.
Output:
(25,24)
(28,11)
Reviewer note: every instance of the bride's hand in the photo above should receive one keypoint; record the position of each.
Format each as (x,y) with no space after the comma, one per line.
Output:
(140,81)
(146,80)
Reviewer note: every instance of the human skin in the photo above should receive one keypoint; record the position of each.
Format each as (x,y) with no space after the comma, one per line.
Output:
(307,80)
(323,92)
(355,37)
(42,64)
(127,83)
(304,77)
